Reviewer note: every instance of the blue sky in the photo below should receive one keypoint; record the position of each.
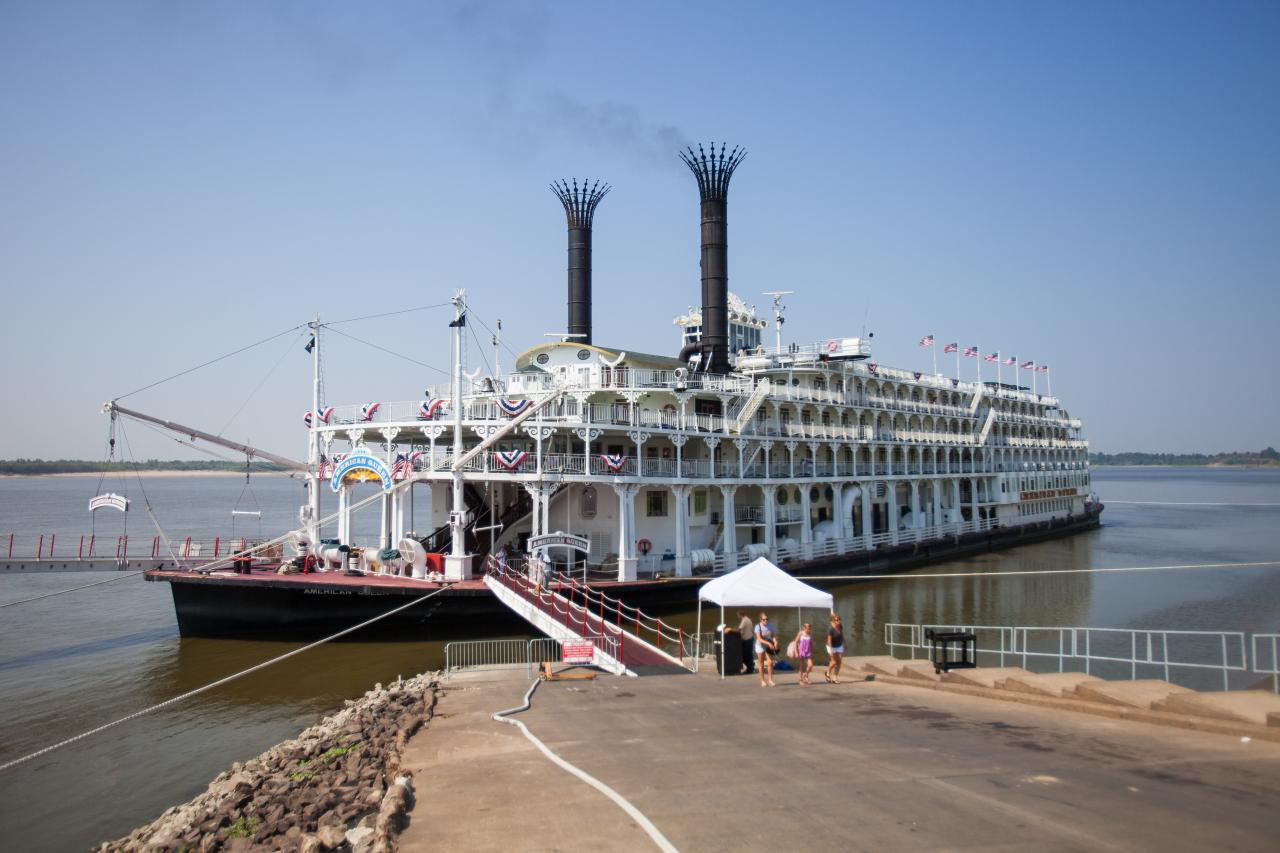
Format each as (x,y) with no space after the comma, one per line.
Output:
(1091,185)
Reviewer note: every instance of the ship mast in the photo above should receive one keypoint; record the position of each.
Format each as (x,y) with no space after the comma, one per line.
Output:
(457,565)
(313,439)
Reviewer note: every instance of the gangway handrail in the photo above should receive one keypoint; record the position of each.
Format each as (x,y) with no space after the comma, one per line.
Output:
(581,614)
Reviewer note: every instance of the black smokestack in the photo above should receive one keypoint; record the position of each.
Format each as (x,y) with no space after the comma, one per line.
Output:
(580,209)
(713,172)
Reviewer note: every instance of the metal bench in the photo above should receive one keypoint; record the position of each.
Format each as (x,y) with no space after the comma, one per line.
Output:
(942,642)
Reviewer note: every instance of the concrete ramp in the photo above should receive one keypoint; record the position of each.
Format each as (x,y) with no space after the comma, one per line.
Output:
(921,670)
(1246,706)
(983,676)
(1143,693)
(1056,684)
(879,664)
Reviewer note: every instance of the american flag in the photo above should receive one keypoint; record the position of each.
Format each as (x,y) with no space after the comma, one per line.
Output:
(926,341)
(1027,365)
(1042,368)
(955,347)
(401,467)
(325,468)
(991,356)
(970,352)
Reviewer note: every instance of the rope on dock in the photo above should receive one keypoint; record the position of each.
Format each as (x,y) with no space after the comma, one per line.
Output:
(999,574)
(632,812)
(73,589)
(221,681)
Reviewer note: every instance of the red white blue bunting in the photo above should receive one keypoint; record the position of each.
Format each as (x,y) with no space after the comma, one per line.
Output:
(510,459)
(615,462)
(325,414)
(368,410)
(427,408)
(511,408)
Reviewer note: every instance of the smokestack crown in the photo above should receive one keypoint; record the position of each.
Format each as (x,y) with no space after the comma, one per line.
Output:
(579,209)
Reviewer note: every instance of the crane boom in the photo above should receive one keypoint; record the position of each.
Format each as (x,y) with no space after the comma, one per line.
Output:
(292,464)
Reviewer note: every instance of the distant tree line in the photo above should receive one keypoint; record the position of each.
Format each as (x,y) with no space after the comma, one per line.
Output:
(1268,457)
(85,466)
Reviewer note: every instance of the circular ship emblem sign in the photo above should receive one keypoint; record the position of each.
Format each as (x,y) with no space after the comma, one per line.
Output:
(361,468)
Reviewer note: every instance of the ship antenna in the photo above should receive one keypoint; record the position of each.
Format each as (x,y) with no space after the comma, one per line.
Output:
(778,310)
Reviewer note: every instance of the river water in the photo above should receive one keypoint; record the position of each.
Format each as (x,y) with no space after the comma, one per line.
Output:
(71,663)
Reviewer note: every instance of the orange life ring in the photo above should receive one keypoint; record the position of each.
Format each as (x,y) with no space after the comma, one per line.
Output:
(644,545)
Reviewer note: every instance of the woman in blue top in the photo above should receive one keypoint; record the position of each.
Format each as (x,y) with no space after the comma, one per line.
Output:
(766,647)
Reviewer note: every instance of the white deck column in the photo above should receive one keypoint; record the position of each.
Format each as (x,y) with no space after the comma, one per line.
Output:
(684,565)
(867,529)
(955,502)
(838,516)
(730,529)
(626,532)
(771,520)
(344,514)
(891,510)
(806,523)
(973,499)
(915,509)
(935,491)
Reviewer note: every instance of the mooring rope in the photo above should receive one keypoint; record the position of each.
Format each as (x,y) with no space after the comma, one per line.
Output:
(632,812)
(1000,574)
(211,685)
(73,589)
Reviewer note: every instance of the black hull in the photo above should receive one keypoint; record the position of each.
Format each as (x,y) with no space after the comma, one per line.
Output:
(248,608)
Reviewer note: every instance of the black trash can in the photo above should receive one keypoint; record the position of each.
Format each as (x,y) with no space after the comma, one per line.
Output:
(728,652)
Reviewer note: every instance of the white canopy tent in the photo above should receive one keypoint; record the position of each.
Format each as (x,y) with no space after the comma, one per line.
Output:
(760,584)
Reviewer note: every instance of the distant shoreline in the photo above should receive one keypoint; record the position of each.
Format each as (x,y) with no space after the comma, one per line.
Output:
(146,474)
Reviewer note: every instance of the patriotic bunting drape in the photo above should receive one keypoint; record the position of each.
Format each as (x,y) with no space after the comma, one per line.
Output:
(512,408)
(510,459)
(615,462)
(368,410)
(427,408)
(325,414)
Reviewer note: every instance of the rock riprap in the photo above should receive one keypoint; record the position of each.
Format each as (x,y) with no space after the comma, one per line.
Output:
(337,786)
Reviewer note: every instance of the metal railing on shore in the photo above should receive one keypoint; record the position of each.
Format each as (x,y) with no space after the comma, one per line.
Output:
(121,547)
(1137,652)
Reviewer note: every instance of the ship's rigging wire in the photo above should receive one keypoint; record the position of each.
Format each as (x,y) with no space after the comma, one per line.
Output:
(1022,572)
(212,361)
(288,349)
(390,352)
(388,314)
(146,501)
(213,684)
(501,342)
(480,349)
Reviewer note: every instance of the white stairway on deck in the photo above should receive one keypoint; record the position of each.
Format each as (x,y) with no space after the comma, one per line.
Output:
(535,616)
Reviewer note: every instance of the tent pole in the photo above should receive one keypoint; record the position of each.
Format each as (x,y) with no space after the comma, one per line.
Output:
(698,644)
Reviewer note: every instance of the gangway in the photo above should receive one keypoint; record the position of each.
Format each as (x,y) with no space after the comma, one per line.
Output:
(627,641)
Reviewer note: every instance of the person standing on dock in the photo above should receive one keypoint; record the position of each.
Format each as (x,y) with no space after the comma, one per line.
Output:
(835,649)
(747,632)
(804,652)
(766,645)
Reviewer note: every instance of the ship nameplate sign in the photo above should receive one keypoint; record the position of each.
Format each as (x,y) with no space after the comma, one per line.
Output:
(360,467)
(562,540)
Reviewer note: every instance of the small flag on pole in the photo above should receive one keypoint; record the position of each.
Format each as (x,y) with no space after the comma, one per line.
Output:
(311,344)
(1026,365)
(970,352)
(1042,368)
(955,347)
(991,356)
(458,323)
(1010,361)
(926,341)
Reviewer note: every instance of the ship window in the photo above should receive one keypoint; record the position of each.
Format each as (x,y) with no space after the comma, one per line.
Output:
(782,497)
(655,503)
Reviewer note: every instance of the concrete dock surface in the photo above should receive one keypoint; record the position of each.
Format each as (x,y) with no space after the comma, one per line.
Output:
(728,765)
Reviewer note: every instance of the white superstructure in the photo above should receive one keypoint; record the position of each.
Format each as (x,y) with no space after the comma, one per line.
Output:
(801,452)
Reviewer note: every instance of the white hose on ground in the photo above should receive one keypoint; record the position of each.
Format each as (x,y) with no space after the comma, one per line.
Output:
(635,814)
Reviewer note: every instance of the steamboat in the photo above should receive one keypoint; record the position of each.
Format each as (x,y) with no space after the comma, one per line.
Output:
(642,473)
